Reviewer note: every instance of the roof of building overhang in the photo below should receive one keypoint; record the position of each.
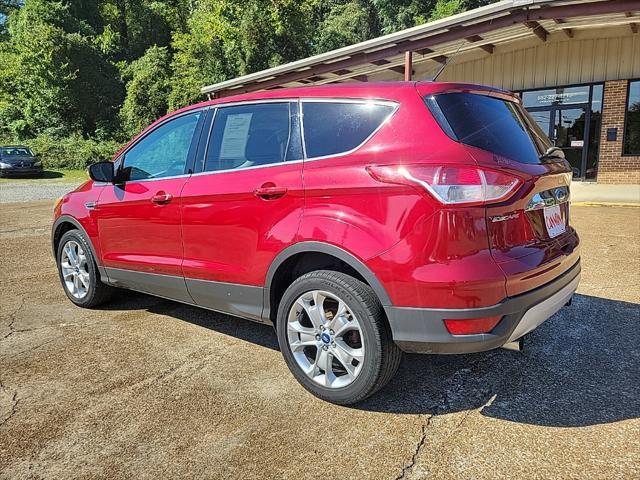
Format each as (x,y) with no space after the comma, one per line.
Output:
(483,28)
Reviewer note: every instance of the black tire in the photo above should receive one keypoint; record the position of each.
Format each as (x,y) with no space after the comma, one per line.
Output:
(382,356)
(97,292)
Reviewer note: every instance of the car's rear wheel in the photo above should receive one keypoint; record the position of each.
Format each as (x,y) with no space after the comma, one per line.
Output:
(78,271)
(334,337)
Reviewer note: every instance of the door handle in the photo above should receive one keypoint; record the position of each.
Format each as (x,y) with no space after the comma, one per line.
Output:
(269,191)
(161,198)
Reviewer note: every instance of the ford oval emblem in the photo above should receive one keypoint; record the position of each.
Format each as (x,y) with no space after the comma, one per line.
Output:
(560,194)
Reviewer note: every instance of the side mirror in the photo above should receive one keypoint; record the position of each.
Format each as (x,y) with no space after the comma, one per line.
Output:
(102,172)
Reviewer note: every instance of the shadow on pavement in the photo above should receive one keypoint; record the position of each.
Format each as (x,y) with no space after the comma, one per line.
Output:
(47,174)
(50,174)
(580,368)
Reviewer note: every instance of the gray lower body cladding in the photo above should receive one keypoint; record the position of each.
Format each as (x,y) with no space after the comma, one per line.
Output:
(239,300)
(422,330)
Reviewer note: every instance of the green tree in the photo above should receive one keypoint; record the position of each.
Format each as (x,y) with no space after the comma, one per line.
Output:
(345,24)
(7,7)
(140,24)
(52,77)
(199,56)
(148,90)
(227,38)
(107,68)
(446,8)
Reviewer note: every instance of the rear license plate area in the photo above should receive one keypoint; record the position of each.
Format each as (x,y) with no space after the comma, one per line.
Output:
(555,222)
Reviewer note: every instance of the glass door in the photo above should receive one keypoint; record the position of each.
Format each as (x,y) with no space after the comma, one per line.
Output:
(571,116)
(569,130)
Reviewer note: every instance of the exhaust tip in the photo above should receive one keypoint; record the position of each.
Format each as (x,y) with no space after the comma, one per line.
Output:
(515,345)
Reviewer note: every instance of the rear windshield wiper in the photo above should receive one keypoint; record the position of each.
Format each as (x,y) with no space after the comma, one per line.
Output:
(552,154)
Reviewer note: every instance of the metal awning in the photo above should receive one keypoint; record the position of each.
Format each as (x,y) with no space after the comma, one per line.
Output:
(433,43)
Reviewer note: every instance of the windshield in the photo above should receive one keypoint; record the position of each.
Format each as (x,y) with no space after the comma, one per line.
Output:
(16,152)
(493,124)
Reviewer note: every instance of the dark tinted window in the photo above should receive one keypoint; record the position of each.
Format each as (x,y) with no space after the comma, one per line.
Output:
(332,128)
(163,152)
(632,120)
(492,124)
(253,135)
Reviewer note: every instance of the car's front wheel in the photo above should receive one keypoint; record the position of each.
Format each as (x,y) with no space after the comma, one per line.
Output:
(79,272)
(334,337)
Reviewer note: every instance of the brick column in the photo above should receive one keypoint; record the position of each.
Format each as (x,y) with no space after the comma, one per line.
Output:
(612,166)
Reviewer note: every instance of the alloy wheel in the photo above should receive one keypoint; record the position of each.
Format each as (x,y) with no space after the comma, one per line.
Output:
(75,269)
(325,339)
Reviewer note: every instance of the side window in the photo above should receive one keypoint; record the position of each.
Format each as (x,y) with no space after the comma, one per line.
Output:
(252,135)
(331,128)
(163,152)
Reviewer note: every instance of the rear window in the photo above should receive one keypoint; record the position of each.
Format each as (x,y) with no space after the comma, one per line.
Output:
(493,124)
(331,128)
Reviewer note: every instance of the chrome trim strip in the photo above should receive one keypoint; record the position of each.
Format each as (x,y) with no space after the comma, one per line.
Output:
(199,174)
(145,180)
(549,198)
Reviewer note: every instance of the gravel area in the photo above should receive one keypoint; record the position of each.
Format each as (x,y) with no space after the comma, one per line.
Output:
(21,191)
(148,388)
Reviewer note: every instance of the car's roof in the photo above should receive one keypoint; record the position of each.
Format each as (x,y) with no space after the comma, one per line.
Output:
(14,146)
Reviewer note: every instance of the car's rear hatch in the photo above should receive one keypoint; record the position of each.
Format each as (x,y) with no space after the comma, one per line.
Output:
(530,236)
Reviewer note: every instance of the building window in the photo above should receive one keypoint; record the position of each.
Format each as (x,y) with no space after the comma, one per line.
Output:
(571,117)
(632,120)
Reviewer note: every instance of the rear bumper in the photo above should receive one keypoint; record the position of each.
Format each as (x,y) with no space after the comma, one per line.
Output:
(422,330)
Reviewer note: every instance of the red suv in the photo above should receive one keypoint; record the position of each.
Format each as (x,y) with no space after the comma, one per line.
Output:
(361,220)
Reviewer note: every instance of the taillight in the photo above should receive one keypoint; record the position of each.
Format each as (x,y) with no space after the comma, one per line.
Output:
(470,326)
(451,184)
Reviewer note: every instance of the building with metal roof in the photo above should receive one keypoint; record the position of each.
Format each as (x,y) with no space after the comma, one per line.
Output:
(575,63)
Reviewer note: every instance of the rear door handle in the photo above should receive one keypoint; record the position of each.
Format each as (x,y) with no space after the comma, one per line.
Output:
(269,191)
(161,198)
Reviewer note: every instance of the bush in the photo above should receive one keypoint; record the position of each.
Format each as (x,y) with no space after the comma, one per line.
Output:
(71,152)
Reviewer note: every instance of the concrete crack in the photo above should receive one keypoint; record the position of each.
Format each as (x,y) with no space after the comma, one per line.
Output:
(468,413)
(12,319)
(14,404)
(443,406)
(419,445)
(36,347)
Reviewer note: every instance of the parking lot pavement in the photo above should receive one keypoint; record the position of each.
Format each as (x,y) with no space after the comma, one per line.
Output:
(148,388)
(30,191)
